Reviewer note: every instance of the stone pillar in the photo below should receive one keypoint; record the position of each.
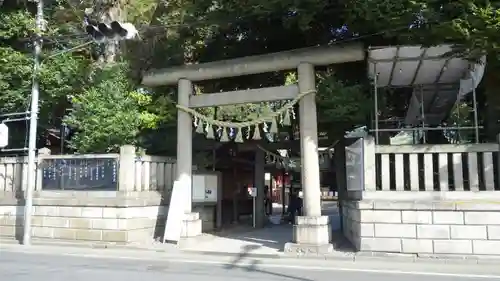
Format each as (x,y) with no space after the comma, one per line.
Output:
(126,169)
(259,180)
(369,168)
(39,171)
(309,142)
(341,178)
(191,225)
(498,166)
(311,232)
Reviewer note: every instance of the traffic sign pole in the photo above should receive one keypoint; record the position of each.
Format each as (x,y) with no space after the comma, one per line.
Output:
(253,192)
(253,216)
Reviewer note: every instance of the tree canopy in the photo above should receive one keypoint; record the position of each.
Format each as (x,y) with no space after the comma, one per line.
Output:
(104,106)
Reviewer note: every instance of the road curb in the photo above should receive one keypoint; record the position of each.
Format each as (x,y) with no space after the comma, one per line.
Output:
(235,255)
(173,249)
(360,256)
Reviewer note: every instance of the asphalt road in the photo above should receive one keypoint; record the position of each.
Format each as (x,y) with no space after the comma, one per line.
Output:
(100,265)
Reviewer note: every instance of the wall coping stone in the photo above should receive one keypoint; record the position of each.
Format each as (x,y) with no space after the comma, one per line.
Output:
(413,205)
(111,199)
(428,195)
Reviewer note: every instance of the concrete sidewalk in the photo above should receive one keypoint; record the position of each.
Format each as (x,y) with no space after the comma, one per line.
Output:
(174,252)
(28,259)
(48,263)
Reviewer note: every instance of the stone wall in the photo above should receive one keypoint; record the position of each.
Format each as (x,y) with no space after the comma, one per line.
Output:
(423,227)
(109,217)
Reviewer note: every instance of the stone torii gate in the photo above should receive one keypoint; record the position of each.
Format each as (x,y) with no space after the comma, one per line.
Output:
(312,230)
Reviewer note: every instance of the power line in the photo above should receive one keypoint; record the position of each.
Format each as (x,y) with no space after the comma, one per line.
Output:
(70,38)
(160,28)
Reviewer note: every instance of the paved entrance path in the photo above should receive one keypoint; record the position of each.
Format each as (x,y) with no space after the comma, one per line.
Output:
(269,240)
(266,241)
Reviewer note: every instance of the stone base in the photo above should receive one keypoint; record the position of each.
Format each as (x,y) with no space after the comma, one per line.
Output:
(424,227)
(103,217)
(191,225)
(311,235)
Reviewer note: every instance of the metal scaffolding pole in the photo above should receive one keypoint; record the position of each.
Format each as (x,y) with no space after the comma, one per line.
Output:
(429,129)
(422,112)
(14,114)
(474,103)
(375,92)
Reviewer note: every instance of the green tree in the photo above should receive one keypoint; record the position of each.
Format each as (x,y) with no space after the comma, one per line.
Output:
(109,113)
(69,74)
(58,77)
(341,105)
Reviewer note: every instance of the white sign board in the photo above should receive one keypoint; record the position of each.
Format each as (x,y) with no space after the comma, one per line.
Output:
(252,191)
(173,226)
(211,186)
(205,187)
(4,135)
(198,188)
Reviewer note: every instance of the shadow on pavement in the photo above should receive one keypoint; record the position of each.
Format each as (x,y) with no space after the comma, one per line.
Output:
(271,237)
(254,264)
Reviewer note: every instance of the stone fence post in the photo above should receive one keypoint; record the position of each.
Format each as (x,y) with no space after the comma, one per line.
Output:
(126,168)
(498,167)
(39,171)
(369,167)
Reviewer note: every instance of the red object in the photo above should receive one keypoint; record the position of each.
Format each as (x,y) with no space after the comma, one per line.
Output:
(280,179)
(278,187)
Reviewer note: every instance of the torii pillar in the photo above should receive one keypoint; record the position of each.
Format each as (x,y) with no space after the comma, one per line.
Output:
(191,224)
(311,233)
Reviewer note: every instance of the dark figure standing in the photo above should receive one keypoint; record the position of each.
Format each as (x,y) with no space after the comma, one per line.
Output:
(295,206)
(267,201)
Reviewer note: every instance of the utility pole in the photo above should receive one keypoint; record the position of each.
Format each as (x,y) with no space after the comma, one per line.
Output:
(30,186)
